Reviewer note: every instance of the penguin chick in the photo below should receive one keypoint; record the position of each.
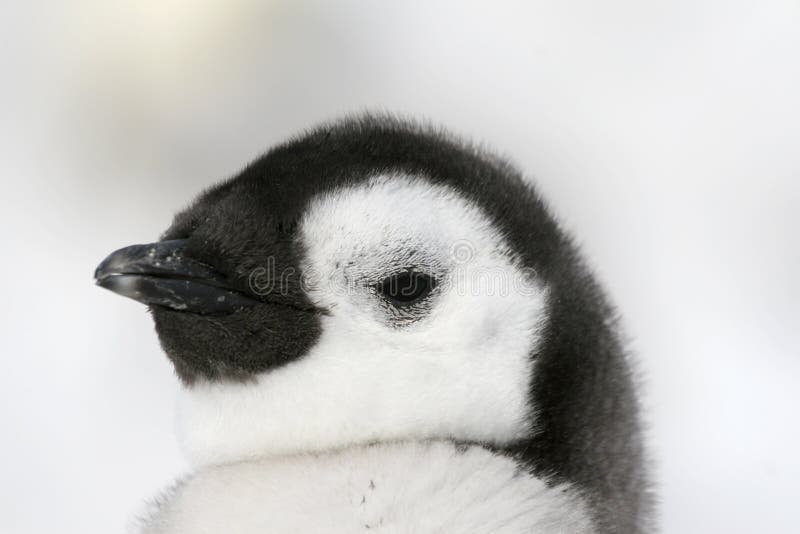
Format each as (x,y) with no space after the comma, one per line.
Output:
(378,327)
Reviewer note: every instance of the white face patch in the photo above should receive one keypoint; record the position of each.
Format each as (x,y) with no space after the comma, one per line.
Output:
(456,364)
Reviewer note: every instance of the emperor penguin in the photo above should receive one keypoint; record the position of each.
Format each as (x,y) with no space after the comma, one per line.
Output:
(381,328)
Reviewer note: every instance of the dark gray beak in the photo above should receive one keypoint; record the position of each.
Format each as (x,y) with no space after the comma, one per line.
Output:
(160,274)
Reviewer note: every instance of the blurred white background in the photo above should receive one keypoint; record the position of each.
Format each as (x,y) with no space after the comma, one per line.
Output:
(666,135)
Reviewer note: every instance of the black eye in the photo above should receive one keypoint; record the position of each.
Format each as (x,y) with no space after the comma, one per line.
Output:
(406,288)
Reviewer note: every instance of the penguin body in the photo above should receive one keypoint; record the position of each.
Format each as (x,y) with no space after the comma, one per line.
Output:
(375,301)
(407,487)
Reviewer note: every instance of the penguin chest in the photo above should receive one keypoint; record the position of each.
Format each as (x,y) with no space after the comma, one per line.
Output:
(388,488)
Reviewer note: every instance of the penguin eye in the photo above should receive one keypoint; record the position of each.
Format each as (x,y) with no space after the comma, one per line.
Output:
(406,288)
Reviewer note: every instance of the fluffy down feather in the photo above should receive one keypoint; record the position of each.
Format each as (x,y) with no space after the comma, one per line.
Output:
(411,487)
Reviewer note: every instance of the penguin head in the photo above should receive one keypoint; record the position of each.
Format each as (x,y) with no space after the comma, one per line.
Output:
(369,281)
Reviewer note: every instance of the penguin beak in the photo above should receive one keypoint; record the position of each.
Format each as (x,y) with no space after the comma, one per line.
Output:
(160,274)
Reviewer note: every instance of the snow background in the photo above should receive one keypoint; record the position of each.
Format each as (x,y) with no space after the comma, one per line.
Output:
(665,135)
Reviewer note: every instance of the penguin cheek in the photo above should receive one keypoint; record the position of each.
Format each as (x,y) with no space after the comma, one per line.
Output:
(235,347)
